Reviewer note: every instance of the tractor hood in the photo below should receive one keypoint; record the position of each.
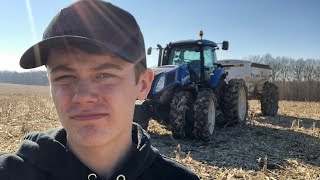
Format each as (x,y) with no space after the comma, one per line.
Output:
(160,69)
(169,76)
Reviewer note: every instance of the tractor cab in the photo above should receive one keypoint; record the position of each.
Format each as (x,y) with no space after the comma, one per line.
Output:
(194,53)
(198,55)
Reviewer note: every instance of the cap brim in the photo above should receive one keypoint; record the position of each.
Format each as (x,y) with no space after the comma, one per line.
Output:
(37,55)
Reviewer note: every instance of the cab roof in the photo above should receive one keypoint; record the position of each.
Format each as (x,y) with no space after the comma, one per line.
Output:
(193,42)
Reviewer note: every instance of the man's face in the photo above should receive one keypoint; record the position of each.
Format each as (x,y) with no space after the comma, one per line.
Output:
(94,95)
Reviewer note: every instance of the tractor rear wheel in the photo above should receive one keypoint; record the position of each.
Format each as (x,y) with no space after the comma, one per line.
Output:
(235,102)
(269,99)
(179,109)
(205,114)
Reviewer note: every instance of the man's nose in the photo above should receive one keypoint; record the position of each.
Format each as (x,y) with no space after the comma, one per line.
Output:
(85,92)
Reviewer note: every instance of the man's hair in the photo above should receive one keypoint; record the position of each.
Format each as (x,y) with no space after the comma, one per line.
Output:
(139,67)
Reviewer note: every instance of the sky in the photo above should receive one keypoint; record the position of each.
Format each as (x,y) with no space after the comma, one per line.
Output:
(288,28)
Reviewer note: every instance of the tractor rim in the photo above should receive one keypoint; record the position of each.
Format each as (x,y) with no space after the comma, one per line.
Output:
(242,105)
(211,116)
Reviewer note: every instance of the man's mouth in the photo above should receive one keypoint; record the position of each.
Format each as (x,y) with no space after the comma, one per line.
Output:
(87,117)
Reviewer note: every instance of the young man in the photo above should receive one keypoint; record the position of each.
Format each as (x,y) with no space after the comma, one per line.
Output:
(95,58)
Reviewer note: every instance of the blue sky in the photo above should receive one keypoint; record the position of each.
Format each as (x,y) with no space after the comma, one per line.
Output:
(282,28)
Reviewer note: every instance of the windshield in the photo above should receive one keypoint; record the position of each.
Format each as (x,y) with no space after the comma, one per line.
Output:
(183,55)
(186,54)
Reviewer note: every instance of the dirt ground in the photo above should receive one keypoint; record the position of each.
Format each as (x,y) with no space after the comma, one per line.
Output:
(282,147)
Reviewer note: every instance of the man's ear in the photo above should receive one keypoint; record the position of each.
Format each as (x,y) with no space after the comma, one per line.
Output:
(145,83)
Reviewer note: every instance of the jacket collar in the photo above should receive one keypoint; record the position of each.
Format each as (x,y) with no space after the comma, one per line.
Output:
(47,152)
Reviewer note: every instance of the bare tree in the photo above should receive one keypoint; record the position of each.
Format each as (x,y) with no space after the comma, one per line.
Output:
(297,79)
(317,79)
(256,59)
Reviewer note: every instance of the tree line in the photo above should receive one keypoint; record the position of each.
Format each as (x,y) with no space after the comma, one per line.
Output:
(28,78)
(297,79)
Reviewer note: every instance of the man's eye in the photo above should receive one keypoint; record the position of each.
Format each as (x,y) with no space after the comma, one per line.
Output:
(105,76)
(65,77)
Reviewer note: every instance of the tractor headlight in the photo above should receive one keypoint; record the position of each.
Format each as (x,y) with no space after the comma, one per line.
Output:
(160,84)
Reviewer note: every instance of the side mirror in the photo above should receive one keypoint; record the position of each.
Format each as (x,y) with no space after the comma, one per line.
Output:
(225,45)
(149,50)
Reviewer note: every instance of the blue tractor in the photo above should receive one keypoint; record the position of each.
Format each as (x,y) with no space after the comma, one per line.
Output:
(189,93)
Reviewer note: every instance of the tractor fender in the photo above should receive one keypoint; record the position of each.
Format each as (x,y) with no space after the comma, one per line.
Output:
(215,77)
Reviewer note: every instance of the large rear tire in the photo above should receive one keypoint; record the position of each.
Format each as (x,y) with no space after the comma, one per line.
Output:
(141,114)
(179,109)
(235,102)
(205,115)
(269,99)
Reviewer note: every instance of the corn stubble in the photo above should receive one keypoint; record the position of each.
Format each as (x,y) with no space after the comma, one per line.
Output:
(282,147)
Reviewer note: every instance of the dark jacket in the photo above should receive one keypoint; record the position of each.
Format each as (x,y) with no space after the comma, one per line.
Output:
(44,156)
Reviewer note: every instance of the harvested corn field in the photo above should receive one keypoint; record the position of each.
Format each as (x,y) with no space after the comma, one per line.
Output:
(282,147)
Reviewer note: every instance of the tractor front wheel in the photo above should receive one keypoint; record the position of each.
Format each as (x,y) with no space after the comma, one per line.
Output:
(179,108)
(141,114)
(205,114)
